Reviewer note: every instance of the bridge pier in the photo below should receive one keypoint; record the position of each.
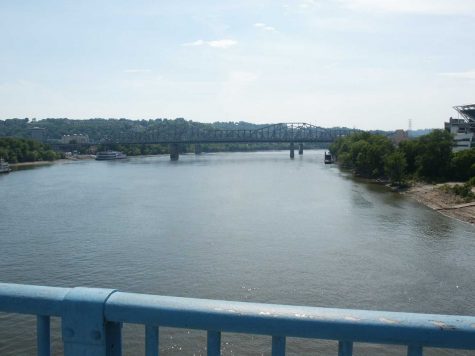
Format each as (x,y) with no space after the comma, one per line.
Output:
(174,152)
(197,149)
(300,148)
(292,147)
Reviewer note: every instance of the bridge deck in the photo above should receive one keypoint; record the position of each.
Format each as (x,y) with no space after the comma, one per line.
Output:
(191,134)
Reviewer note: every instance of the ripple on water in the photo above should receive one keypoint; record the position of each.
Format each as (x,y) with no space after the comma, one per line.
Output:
(236,226)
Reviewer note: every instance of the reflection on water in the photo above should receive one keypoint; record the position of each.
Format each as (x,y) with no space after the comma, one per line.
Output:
(236,226)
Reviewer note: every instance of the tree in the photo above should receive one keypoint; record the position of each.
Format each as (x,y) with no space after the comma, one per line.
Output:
(19,150)
(410,149)
(50,155)
(395,166)
(434,155)
(463,164)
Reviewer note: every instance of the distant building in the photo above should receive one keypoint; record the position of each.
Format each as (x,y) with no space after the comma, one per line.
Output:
(38,134)
(398,136)
(463,129)
(75,139)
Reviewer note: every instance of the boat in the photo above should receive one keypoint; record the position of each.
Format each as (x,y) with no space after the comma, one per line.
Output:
(328,158)
(4,166)
(110,155)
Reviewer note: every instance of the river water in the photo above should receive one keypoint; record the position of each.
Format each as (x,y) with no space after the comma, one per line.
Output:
(237,226)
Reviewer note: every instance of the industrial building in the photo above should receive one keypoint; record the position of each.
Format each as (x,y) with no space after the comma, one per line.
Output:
(463,128)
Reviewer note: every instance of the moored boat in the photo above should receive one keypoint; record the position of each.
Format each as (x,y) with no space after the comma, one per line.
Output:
(110,155)
(328,159)
(4,166)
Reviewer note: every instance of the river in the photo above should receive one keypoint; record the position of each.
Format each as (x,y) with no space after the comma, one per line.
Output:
(237,226)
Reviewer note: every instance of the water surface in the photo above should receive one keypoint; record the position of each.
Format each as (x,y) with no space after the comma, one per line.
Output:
(237,226)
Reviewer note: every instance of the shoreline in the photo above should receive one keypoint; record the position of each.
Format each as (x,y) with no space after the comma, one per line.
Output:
(46,163)
(430,195)
(37,163)
(445,203)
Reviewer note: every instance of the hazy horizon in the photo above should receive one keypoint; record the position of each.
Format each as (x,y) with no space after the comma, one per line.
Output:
(210,122)
(369,64)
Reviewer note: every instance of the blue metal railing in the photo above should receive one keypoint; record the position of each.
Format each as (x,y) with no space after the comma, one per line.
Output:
(92,320)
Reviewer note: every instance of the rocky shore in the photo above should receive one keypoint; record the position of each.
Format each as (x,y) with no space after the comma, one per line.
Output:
(442,201)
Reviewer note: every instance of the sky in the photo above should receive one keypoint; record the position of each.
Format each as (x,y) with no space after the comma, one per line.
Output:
(368,64)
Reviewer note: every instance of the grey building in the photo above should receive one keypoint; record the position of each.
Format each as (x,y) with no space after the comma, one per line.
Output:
(463,128)
(38,134)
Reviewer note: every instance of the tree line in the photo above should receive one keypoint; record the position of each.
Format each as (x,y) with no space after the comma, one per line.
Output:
(429,158)
(16,150)
(99,129)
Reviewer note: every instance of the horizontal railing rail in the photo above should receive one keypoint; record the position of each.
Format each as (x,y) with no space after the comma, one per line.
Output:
(92,319)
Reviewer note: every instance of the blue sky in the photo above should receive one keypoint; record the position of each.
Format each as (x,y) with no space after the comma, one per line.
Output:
(358,63)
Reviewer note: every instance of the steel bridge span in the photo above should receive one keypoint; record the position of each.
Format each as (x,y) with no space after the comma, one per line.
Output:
(175,135)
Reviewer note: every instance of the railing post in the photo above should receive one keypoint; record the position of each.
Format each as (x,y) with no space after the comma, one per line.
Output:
(214,343)
(84,328)
(114,339)
(151,340)
(414,350)
(43,338)
(278,345)
(345,348)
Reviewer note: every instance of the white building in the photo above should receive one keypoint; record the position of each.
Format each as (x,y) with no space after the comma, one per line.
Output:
(463,129)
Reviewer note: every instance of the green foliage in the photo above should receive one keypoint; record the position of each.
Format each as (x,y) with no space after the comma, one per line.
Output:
(99,129)
(428,157)
(135,150)
(363,152)
(464,191)
(434,155)
(395,166)
(410,148)
(19,150)
(463,164)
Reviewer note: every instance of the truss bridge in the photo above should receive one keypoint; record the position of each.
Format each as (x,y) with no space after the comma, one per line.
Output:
(174,135)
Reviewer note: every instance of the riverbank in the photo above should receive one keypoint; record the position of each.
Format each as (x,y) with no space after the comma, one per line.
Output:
(44,163)
(37,163)
(449,204)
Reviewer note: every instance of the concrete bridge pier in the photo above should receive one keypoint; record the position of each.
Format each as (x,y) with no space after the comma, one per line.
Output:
(300,148)
(292,147)
(174,151)
(197,149)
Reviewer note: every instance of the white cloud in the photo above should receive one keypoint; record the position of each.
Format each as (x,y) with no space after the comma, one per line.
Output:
(223,44)
(304,4)
(433,7)
(195,43)
(342,24)
(137,70)
(264,27)
(470,74)
(242,76)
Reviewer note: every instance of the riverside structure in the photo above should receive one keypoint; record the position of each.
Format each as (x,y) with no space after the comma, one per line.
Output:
(463,129)
(176,135)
